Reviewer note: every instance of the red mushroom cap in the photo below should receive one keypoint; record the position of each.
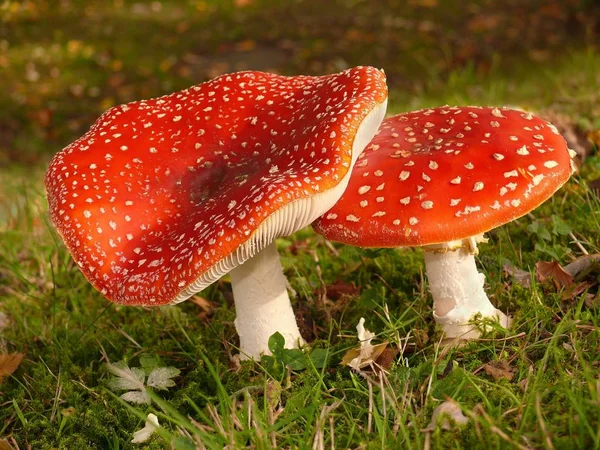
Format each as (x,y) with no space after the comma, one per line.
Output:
(449,173)
(161,192)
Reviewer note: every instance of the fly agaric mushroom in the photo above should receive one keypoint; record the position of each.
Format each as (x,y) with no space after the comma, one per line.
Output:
(163,197)
(439,178)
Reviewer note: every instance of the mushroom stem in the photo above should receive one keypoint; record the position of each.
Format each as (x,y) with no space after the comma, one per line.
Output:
(262,304)
(457,290)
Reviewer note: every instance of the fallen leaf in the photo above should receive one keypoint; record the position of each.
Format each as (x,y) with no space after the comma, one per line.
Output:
(447,414)
(499,369)
(366,353)
(9,362)
(132,380)
(518,275)
(552,270)
(575,290)
(4,445)
(340,289)
(141,436)
(206,305)
(160,378)
(387,357)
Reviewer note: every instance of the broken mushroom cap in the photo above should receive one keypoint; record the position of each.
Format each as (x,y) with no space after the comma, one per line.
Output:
(446,174)
(162,197)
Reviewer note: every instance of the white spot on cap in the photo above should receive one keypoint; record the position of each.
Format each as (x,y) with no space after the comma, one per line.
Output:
(454,201)
(455,180)
(433,165)
(404,175)
(478,186)
(413,220)
(363,203)
(537,179)
(364,189)
(331,216)
(378,214)
(550,164)
(405,200)
(522,151)
(498,156)
(512,173)
(428,204)
(87,214)
(352,218)
(496,112)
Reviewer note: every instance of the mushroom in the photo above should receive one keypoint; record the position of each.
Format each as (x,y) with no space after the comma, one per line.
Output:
(439,178)
(163,197)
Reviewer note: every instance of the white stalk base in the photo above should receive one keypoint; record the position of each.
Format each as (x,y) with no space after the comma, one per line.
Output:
(457,290)
(262,304)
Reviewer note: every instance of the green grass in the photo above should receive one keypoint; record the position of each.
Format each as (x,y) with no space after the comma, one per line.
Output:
(59,396)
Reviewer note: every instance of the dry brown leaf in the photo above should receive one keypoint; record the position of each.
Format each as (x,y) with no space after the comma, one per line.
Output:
(551,270)
(4,445)
(387,357)
(353,357)
(206,305)
(575,290)
(518,275)
(499,369)
(9,362)
(341,288)
(366,354)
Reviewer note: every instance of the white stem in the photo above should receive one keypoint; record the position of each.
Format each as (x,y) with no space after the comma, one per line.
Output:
(262,304)
(457,290)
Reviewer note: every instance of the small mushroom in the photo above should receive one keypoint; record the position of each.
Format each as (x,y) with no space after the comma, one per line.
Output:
(439,178)
(163,197)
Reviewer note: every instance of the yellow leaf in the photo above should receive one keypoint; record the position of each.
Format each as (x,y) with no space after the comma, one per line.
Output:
(9,363)
(353,357)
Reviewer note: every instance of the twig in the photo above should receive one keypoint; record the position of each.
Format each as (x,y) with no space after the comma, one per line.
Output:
(578,243)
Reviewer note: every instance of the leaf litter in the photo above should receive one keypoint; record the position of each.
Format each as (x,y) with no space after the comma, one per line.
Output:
(134,381)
